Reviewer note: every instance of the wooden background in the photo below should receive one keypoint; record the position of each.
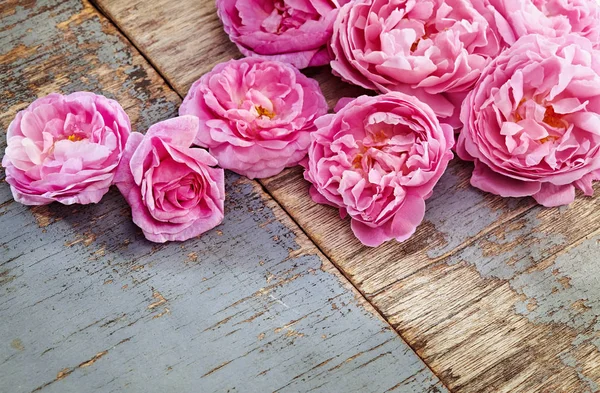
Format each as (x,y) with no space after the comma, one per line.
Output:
(490,295)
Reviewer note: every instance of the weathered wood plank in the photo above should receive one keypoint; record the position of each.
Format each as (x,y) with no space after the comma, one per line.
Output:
(185,39)
(465,289)
(87,304)
(495,294)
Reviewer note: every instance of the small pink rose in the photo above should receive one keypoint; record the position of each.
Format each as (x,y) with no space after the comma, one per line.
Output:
(173,190)
(433,49)
(255,115)
(532,123)
(377,160)
(65,149)
(292,31)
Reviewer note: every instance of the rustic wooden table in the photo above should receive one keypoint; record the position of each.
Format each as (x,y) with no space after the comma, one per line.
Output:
(490,295)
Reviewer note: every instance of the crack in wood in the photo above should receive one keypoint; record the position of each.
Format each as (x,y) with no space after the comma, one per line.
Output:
(65,372)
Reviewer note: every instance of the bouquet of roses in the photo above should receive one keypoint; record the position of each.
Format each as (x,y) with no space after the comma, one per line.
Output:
(515,82)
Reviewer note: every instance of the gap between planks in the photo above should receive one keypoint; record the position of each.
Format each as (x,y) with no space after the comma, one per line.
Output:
(99,8)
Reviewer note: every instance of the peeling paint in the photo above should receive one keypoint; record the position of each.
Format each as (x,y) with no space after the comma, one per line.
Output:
(577,304)
(34,28)
(455,204)
(561,288)
(17,344)
(160,300)
(513,255)
(555,275)
(42,215)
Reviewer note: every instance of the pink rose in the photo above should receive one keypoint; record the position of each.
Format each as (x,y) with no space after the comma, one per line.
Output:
(173,191)
(65,149)
(255,115)
(552,18)
(377,160)
(292,31)
(532,123)
(433,49)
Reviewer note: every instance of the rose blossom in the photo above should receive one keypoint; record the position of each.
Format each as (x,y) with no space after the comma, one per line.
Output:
(377,160)
(255,115)
(65,149)
(552,18)
(434,49)
(532,123)
(292,31)
(173,190)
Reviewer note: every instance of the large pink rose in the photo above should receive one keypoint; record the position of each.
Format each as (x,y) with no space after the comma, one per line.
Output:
(377,160)
(65,149)
(173,190)
(433,49)
(255,115)
(532,123)
(292,31)
(552,18)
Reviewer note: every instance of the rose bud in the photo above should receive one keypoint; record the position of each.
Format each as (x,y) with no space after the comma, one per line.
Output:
(174,191)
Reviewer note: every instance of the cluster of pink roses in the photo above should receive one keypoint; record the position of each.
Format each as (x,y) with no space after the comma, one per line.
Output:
(71,149)
(255,117)
(518,79)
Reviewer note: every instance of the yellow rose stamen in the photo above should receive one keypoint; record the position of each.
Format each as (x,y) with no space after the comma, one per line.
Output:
(357,161)
(380,136)
(518,117)
(548,139)
(264,112)
(74,138)
(553,119)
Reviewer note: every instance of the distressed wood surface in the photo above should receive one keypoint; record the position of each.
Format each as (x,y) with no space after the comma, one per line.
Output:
(496,295)
(87,305)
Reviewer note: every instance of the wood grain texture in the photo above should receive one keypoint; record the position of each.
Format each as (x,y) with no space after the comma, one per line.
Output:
(185,39)
(87,305)
(496,295)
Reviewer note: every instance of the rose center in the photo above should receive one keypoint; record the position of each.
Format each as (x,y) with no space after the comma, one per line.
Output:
(264,112)
(549,138)
(551,118)
(379,149)
(357,162)
(74,138)
(429,32)
(76,133)
(379,137)
(415,44)
(554,119)
(290,18)
(517,114)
